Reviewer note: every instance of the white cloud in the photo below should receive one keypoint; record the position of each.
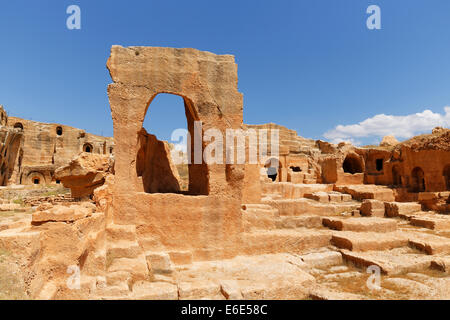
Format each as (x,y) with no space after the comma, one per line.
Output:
(402,127)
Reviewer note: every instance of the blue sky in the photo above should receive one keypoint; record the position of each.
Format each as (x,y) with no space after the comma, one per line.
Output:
(310,65)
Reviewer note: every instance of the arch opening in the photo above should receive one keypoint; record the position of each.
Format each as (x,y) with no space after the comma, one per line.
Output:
(18,125)
(418,180)
(165,167)
(352,164)
(87,147)
(59,131)
(273,167)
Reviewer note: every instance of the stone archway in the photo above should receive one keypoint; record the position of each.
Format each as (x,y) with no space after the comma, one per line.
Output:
(206,221)
(273,168)
(155,166)
(36,178)
(87,147)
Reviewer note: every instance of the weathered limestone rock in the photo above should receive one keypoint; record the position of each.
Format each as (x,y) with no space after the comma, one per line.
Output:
(391,262)
(442,264)
(430,244)
(322,259)
(85,173)
(360,224)
(202,289)
(62,214)
(372,208)
(159,262)
(356,241)
(389,141)
(145,290)
(395,209)
(434,222)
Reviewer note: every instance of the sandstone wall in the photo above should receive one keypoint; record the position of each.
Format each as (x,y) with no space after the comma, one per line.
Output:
(45,147)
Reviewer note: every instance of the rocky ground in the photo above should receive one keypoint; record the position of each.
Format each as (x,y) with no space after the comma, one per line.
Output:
(325,245)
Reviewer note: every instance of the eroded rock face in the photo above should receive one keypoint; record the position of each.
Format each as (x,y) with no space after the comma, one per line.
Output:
(44,147)
(155,166)
(61,213)
(85,173)
(388,141)
(9,148)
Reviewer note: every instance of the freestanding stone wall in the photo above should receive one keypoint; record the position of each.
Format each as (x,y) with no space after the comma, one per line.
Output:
(206,220)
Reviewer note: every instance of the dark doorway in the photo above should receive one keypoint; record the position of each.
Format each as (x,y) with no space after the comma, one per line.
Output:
(379,164)
(396,177)
(352,164)
(446,175)
(87,148)
(418,180)
(18,125)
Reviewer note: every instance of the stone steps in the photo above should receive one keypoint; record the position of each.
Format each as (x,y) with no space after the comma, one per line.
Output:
(159,262)
(430,244)
(145,290)
(441,264)
(123,249)
(293,222)
(434,222)
(360,224)
(392,262)
(284,240)
(302,206)
(118,291)
(372,208)
(136,267)
(259,216)
(322,259)
(364,191)
(327,197)
(395,209)
(150,243)
(369,241)
(116,232)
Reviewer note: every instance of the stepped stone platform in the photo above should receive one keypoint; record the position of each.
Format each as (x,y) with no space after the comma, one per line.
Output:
(358,241)
(391,262)
(360,224)
(362,191)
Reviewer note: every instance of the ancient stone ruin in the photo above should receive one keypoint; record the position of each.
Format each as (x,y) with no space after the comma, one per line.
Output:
(309,220)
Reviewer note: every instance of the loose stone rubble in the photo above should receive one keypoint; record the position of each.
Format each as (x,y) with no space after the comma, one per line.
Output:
(312,222)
